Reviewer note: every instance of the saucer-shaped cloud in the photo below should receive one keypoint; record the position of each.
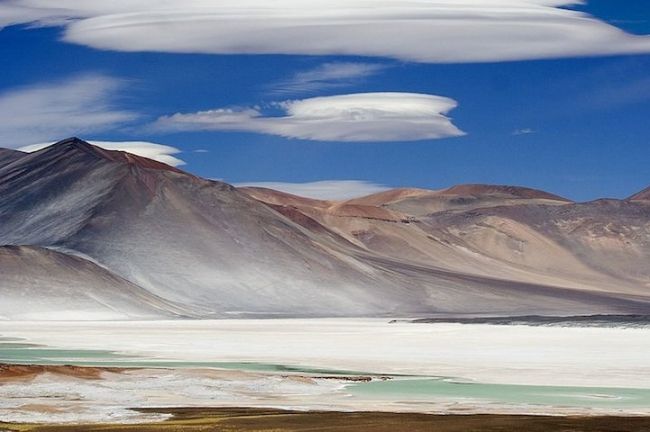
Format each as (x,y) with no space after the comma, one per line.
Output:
(353,117)
(161,153)
(416,30)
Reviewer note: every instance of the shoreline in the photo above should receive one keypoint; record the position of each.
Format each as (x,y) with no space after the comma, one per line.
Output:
(260,419)
(67,395)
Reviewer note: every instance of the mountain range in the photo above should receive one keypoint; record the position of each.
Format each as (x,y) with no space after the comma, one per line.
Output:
(88,233)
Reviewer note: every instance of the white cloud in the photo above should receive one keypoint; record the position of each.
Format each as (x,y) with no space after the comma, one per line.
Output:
(349,118)
(50,111)
(17,12)
(416,30)
(161,153)
(326,76)
(524,131)
(324,190)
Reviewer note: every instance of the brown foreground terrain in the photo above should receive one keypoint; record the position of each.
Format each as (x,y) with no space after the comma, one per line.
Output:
(21,372)
(249,419)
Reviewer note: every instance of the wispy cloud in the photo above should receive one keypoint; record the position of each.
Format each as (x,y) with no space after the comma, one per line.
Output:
(524,131)
(326,77)
(611,95)
(49,111)
(22,12)
(423,31)
(345,118)
(161,153)
(324,190)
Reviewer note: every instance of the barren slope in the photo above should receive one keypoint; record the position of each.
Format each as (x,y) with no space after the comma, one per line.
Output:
(603,244)
(192,241)
(509,237)
(42,284)
(216,251)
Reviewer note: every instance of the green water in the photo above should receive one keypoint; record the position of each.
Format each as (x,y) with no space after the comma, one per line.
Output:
(20,352)
(432,389)
(25,353)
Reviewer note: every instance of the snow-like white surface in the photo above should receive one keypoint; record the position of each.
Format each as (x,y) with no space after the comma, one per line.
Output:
(597,357)
(61,399)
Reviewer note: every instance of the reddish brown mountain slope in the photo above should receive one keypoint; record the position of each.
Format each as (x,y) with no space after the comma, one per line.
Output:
(644,195)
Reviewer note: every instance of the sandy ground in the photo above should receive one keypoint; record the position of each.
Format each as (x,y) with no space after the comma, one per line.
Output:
(248,420)
(602,357)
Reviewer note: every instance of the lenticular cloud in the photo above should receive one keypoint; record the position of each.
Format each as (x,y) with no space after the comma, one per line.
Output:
(439,31)
(347,118)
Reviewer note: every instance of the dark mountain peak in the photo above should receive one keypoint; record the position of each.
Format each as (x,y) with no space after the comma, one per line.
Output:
(73,143)
(8,155)
(509,191)
(78,145)
(70,147)
(644,195)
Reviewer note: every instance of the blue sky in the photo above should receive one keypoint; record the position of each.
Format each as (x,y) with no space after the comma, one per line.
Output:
(577,125)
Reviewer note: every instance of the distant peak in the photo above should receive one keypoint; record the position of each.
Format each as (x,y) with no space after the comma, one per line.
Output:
(644,195)
(476,190)
(513,191)
(389,196)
